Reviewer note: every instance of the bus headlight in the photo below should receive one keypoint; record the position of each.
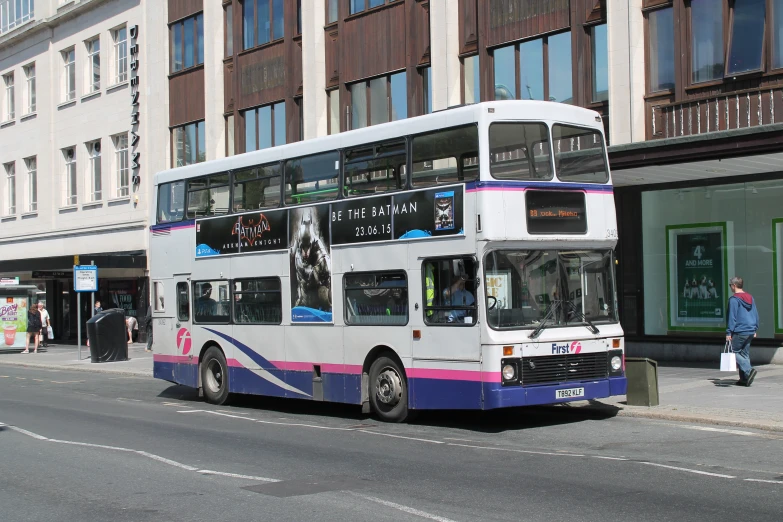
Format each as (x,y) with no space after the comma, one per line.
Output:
(614,361)
(509,372)
(617,363)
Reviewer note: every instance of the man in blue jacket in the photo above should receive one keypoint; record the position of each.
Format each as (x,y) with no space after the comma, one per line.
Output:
(742,323)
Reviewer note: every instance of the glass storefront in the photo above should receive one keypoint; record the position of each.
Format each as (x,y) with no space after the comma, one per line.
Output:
(695,239)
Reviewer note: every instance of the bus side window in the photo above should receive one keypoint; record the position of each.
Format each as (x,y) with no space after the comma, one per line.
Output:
(207,309)
(312,178)
(257,188)
(171,202)
(519,151)
(446,156)
(183,302)
(376,298)
(372,169)
(158,299)
(450,291)
(258,301)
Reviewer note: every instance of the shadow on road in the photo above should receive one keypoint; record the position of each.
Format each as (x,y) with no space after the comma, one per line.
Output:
(724,383)
(492,421)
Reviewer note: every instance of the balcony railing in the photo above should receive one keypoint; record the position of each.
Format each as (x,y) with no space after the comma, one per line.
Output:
(742,109)
(14,13)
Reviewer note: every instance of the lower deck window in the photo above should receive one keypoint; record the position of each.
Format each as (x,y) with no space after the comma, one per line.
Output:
(450,291)
(211,302)
(377,298)
(257,301)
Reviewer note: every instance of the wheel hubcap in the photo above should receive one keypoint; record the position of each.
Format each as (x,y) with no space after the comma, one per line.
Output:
(214,377)
(388,387)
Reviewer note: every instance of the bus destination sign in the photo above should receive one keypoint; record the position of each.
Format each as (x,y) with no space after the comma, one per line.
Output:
(555,212)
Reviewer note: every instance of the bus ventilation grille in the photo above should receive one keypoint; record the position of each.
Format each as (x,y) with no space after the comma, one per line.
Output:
(564,368)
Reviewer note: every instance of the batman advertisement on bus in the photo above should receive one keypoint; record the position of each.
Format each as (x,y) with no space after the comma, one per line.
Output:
(251,232)
(311,265)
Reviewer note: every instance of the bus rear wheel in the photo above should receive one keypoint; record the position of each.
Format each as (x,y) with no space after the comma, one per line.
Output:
(388,390)
(214,376)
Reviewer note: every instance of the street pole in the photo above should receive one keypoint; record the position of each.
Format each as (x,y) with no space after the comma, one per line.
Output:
(92,297)
(79,322)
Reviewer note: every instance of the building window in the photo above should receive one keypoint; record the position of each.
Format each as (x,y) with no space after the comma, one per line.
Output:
(450,291)
(299,102)
(230,150)
(298,17)
(746,36)
(660,27)
(377,298)
(600,63)
(94,170)
(229,20)
(536,82)
(258,301)
(262,22)
(426,78)
(471,83)
(707,40)
(332,11)
(70,191)
(10,188)
(187,43)
(94,64)
(120,39)
(334,110)
(13,13)
(379,100)
(264,127)
(32,184)
(357,6)
(29,73)
(121,170)
(8,80)
(69,73)
(189,144)
(777,34)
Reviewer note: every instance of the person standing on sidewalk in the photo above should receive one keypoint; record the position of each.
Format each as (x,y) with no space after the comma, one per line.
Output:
(741,326)
(45,323)
(33,328)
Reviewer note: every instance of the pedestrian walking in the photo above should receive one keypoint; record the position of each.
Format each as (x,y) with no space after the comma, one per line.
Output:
(45,324)
(33,329)
(741,326)
(133,326)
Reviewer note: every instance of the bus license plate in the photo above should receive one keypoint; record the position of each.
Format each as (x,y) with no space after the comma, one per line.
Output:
(570,393)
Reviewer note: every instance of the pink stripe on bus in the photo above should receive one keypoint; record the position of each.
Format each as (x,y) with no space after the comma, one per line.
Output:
(174,359)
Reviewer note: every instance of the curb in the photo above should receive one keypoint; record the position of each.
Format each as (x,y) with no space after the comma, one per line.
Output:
(684,417)
(124,371)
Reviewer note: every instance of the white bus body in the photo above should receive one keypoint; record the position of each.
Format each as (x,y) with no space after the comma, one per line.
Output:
(356,299)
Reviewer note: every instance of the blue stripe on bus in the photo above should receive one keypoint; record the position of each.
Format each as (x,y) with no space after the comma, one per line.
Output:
(542,185)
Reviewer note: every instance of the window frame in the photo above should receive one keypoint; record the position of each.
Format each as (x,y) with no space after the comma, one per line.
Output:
(198,40)
(476,281)
(120,62)
(271,33)
(94,171)
(69,68)
(464,79)
(366,7)
(9,205)
(460,160)
(272,123)
(344,190)
(158,296)
(377,273)
(285,182)
(728,31)
(70,178)
(368,98)
(31,94)
(169,186)
(10,98)
(234,293)
(530,160)
(175,149)
(121,163)
(178,292)
(330,111)
(648,56)
(193,313)
(327,10)
(91,85)
(207,179)
(228,30)
(234,183)
(593,100)
(31,166)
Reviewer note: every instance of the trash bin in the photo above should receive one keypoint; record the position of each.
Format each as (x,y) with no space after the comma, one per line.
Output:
(108,336)
(642,375)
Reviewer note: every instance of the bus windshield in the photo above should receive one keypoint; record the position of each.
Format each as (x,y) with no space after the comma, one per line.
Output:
(565,287)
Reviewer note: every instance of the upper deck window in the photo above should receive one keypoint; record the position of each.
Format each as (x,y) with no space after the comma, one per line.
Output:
(312,178)
(171,202)
(519,151)
(372,169)
(579,154)
(208,196)
(447,156)
(257,188)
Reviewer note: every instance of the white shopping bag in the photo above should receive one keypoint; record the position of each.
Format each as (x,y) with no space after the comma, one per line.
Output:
(728,359)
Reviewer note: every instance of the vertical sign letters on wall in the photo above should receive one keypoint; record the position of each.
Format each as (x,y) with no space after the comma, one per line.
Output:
(135,110)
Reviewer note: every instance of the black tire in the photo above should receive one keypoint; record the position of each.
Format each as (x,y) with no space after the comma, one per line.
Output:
(214,376)
(388,390)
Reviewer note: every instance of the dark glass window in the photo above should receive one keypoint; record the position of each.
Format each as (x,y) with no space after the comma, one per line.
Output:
(371,169)
(357,6)
(262,22)
(450,291)
(777,34)
(229,18)
(579,154)
(531,69)
(265,127)
(258,301)
(447,156)
(519,151)
(600,62)
(707,40)
(171,202)
(471,87)
(183,302)
(379,100)
(426,77)
(378,298)
(660,25)
(187,42)
(560,83)
(189,144)
(312,178)
(747,36)
(257,188)
(211,302)
(332,11)
(208,196)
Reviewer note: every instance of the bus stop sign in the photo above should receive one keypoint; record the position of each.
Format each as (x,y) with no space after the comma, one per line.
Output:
(85,278)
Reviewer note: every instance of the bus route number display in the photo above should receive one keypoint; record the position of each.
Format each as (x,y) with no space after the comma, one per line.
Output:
(555,212)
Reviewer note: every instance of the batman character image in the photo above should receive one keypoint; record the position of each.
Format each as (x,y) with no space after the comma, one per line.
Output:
(444,213)
(312,264)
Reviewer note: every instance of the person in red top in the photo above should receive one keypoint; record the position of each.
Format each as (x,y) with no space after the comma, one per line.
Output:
(742,322)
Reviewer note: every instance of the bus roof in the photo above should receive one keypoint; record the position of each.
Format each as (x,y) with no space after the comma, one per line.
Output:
(462,115)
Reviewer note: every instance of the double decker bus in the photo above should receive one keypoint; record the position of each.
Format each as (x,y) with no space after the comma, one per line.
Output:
(457,260)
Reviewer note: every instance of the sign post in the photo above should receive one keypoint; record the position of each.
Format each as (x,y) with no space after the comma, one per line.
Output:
(85,279)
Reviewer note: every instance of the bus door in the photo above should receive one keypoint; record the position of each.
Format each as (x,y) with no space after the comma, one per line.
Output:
(450,297)
(187,369)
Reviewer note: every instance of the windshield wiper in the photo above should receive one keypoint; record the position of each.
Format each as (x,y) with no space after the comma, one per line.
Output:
(550,313)
(579,315)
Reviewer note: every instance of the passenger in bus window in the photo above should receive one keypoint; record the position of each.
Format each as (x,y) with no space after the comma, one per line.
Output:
(205,305)
(458,295)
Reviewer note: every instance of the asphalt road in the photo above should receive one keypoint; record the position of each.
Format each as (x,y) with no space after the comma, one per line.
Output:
(89,446)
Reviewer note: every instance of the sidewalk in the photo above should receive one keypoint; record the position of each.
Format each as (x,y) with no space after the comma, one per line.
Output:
(66,357)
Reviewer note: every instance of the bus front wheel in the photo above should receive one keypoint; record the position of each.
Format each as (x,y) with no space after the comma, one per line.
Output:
(388,390)
(214,376)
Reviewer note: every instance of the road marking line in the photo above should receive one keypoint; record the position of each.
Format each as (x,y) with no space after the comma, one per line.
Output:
(403,508)
(689,470)
(235,475)
(3,376)
(517,450)
(273,423)
(461,440)
(608,458)
(402,437)
(21,378)
(131,400)
(90,445)
(38,380)
(765,481)
(720,430)
(28,433)
(191,411)
(165,460)
(65,382)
